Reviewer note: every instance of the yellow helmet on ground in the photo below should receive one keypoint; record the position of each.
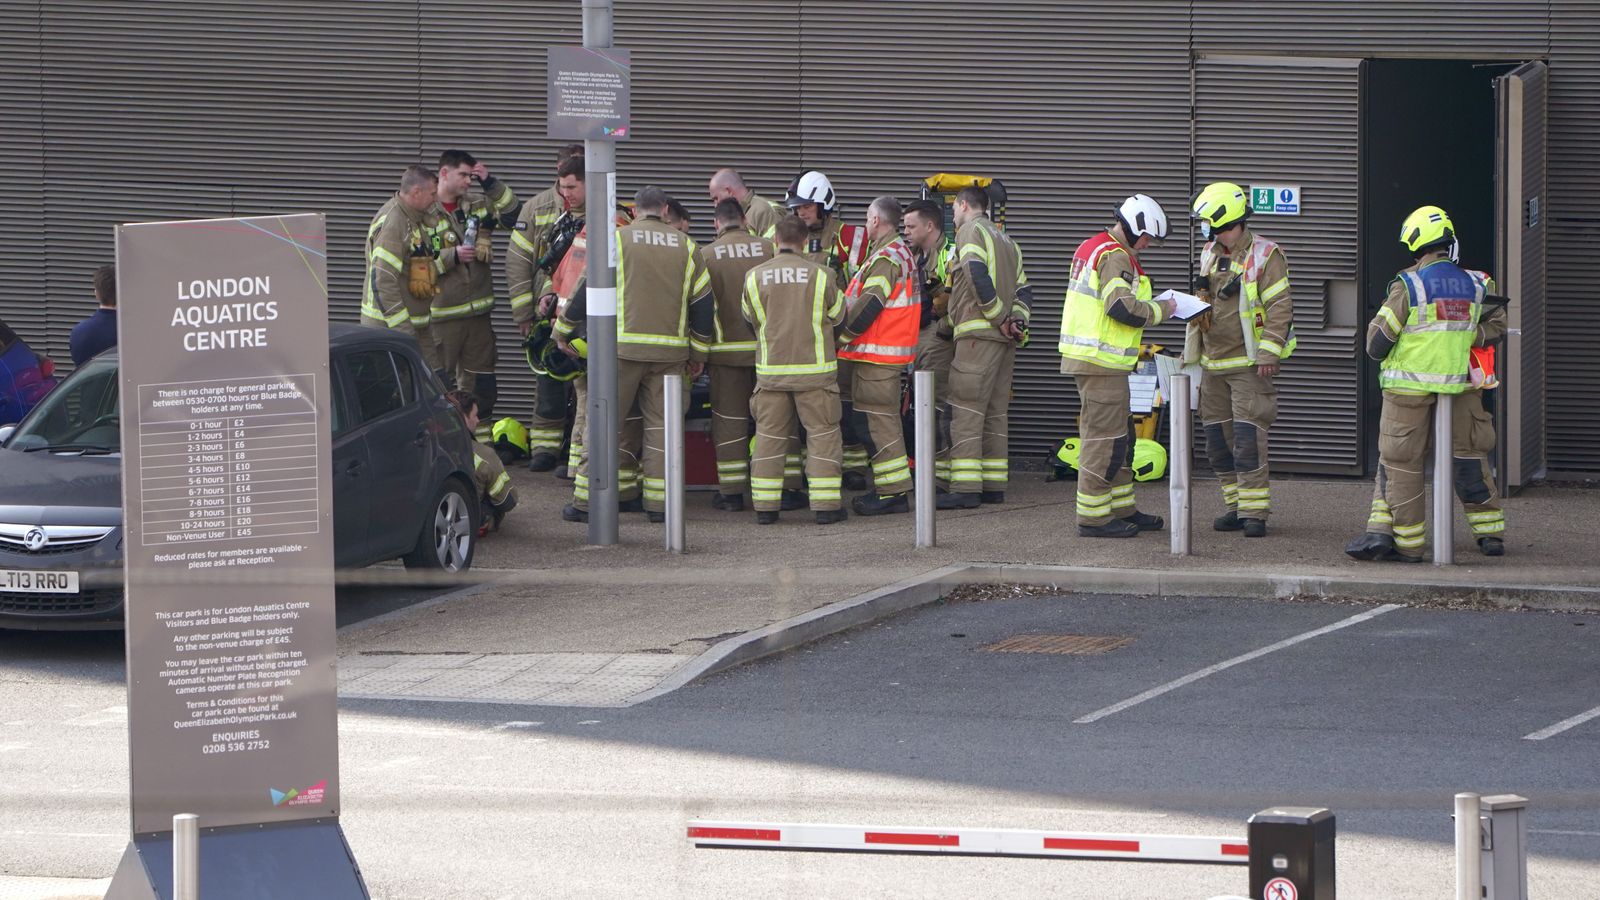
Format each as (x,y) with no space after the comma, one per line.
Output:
(512,432)
(1427,227)
(1221,204)
(1067,453)
(1149,460)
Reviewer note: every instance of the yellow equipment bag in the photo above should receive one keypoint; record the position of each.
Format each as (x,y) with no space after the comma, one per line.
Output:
(943,187)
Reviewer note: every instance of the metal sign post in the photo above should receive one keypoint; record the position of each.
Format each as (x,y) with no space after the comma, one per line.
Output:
(1469,852)
(672,402)
(227,501)
(588,91)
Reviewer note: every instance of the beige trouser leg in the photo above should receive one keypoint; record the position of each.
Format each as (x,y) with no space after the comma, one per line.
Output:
(1473,430)
(1105,432)
(776,413)
(980,401)
(731,387)
(1399,501)
(631,377)
(549,419)
(1237,408)
(877,392)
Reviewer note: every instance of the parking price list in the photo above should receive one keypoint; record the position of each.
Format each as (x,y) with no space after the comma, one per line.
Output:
(227,460)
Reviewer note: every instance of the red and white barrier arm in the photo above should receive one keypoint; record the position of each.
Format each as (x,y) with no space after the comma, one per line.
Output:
(984,841)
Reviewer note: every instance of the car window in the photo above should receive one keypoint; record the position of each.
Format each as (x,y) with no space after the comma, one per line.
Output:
(82,413)
(374,384)
(408,379)
(336,414)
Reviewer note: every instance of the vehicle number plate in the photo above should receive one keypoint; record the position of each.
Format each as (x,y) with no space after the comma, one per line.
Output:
(38,581)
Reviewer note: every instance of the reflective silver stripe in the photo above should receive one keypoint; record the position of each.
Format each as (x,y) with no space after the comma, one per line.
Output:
(1438,325)
(1097,344)
(1426,377)
(881,349)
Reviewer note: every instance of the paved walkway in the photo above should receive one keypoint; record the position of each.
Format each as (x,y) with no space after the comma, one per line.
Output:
(567,624)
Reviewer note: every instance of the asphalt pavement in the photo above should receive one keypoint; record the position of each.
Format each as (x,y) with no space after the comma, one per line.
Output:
(1379,713)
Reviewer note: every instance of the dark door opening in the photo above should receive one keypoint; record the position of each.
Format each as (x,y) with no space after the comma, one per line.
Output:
(1427,137)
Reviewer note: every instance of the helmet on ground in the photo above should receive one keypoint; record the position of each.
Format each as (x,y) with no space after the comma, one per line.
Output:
(1141,215)
(1149,460)
(1428,228)
(1221,204)
(559,365)
(812,187)
(1067,453)
(510,432)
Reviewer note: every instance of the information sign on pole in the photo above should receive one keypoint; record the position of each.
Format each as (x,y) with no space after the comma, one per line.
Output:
(228,543)
(587,93)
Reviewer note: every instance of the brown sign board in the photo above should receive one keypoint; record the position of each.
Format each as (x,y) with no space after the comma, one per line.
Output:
(587,93)
(228,521)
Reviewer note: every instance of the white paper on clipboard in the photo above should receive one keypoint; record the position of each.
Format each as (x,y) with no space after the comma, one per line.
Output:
(1188,305)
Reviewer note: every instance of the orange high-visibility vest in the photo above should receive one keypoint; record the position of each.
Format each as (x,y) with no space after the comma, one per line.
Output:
(891,339)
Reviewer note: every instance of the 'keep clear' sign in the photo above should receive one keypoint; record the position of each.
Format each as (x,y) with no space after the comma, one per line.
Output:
(1275,200)
(228,521)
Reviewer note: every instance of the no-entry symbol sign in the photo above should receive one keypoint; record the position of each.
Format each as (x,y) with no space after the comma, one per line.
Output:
(1280,889)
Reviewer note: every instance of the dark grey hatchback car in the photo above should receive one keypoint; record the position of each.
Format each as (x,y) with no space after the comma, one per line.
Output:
(402,482)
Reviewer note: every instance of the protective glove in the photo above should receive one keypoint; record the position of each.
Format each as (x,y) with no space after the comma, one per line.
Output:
(421,279)
(485,247)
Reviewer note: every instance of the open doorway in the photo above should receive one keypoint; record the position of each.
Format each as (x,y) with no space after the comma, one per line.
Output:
(1427,137)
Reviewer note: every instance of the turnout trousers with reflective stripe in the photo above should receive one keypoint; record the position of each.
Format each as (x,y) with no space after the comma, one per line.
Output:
(935,354)
(776,412)
(856,458)
(980,422)
(548,424)
(638,392)
(876,389)
(629,447)
(1105,454)
(1237,408)
(1399,501)
(467,353)
(731,387)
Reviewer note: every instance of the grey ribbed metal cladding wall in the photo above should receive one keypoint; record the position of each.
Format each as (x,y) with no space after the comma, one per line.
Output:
(1073,108)
(1295,121)
(22,274)
(1573,374)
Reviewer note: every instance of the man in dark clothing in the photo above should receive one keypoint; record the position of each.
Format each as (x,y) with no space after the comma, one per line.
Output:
(98,333)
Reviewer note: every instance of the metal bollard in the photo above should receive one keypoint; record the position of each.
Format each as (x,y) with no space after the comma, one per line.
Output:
(1444,462)
(1178,459)
(185,857)
(1469,849)
(1504,870)
(923,387)
(672,391)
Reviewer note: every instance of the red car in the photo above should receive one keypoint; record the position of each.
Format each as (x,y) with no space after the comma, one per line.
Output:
(25,376)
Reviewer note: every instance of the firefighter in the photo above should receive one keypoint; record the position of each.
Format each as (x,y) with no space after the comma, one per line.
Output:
(465,219)
(402,270)
(665,317)
(842,248)
(1424,335)
(732,357)
(1239,343)
(760,214)
(1109,304)
(936,347)
(539,239)
(990,303)
(884,303)
(677,215)
(793,304)
(496,495)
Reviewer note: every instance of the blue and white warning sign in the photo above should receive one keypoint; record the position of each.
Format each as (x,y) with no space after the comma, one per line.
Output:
(1280,889)
(1275,200)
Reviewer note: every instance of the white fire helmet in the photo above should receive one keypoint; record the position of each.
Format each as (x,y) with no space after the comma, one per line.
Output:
(812,187)
(1141,215)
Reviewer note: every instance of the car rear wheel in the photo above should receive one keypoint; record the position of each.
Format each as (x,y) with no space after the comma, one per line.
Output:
(448,537)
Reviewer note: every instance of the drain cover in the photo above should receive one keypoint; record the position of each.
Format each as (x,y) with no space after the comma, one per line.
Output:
(1073,644)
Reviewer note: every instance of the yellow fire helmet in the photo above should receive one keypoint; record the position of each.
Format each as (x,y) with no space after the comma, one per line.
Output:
(1067,453)
(1426,227)
(1221,204)
(510,431)
(1149,460)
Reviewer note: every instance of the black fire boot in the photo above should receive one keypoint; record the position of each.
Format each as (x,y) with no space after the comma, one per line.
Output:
(1228,521)
(1145,521)
(1116,528)
(1254,527)
(879,505)
(1370,546)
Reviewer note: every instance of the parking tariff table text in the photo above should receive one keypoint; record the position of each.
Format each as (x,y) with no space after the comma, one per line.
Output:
(228,460)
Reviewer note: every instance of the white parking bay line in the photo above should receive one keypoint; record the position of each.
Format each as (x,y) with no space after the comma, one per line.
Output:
(1192,677)
(1563,725)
